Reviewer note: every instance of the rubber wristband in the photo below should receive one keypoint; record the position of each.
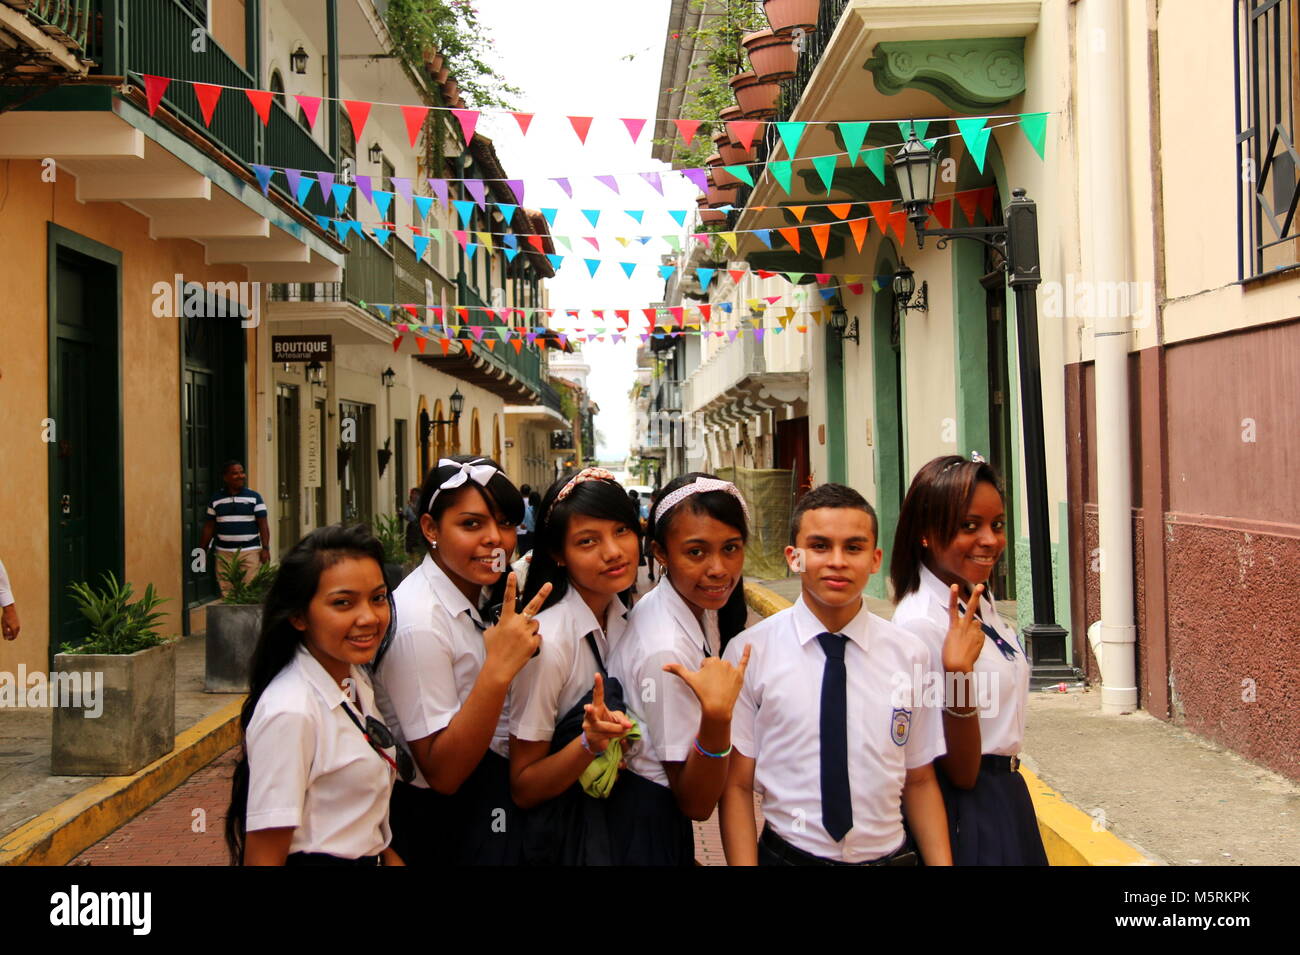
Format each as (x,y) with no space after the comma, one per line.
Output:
(704,752)
(590,751)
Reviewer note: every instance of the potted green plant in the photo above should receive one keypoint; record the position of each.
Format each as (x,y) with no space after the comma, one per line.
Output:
(233,626)
(123,682)
(391,531)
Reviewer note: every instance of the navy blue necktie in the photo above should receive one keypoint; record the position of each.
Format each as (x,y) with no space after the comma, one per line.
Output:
(837,799)
(999,641)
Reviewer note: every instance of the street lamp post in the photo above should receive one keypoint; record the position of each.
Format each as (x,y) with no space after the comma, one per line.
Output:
(1016,241)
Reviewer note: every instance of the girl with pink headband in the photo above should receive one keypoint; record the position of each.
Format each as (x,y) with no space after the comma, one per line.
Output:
(671,658)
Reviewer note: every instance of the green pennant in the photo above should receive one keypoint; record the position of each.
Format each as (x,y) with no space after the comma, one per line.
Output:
(742,173)
(825,166)
(1035,129)
(791,133)
(674,241)
(875,161)
(976,138)
(503,332)
(795,277)
(564,240)
(905,126)
(781,171)
(875,286)
(853,134)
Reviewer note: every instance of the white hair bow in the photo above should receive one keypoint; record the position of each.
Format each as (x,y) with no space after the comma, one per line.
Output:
(480,474)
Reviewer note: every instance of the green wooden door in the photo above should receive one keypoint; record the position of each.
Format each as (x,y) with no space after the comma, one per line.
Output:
(198,481)
(286,426)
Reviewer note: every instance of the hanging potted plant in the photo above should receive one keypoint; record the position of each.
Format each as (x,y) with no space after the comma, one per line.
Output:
(733,155)
(126,672)
(391,531)
(756,98)
(385,455)
(772,55)
(233,626)
(784,15)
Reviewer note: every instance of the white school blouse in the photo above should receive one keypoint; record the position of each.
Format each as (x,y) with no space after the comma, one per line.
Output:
(311,768)
(562,673)
(662,629)
(777,722)
(1003,683)
(436,655)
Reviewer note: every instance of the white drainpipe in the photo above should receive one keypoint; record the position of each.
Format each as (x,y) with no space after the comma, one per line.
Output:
(1104,138)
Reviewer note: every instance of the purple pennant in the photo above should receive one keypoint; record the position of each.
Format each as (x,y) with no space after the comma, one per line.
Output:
(644,339)
(697,176)
(476,189)
(531,337)
(758,334)
(364,187)
(293,175)
(609,181)
(564,339)
(654,180)
(564,184)
(439,187)
(732,333)
(326,180)
(263,176)
(403,188)
(517,187)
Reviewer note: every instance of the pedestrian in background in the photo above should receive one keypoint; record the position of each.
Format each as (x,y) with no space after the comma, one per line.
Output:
(952,531)
(8,607)
(528,525)
(237,524)
(313,782)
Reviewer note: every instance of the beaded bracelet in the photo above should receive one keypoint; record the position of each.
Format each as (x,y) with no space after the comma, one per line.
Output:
(704,752)
(589,750)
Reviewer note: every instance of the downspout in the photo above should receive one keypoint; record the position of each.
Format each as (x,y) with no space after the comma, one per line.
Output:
(1105,141)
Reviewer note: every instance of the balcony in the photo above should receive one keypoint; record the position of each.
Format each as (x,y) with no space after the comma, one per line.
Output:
(44,39)
(562,441)
(667,396)
(747,377)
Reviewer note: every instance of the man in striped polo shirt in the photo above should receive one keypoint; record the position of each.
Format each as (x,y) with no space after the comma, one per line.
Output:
(237,519)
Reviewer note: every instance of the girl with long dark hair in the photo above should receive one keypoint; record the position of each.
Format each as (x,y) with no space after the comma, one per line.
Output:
(313,782)
(951,533)
(443,683)
(671,656)
(567,719)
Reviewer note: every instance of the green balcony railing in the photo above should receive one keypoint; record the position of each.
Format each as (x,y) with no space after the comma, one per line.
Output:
(157,37)
(368,274)
(65,20)
(528,365)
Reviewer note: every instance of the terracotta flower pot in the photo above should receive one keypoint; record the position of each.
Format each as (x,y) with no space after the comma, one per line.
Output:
(712,217)
(772,55)
(723,178)
(730,114)
(433,62)
(786,14)
(720,139)
(756,98)
(733,155)
(441,76)
(713,161)
(450,89)
(723,195)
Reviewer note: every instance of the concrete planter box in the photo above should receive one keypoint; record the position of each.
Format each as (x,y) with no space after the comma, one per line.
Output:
(137,723)
(228,646)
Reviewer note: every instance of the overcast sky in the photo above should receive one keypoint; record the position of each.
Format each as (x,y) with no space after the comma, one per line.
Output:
(590,58)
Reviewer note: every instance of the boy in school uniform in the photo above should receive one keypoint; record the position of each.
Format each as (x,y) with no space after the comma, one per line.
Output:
(828,726)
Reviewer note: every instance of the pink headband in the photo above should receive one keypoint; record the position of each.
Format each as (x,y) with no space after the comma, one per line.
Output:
(699,486)
(586,474)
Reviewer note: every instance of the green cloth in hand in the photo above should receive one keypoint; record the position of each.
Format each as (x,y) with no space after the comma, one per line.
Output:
(598,778)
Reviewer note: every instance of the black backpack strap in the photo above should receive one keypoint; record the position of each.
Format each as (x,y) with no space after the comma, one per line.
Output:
(595,651)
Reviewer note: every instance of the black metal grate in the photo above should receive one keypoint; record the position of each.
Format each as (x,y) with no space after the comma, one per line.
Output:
(1267,168)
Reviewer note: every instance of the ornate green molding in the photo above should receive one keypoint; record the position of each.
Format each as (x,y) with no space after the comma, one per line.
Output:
(969,75)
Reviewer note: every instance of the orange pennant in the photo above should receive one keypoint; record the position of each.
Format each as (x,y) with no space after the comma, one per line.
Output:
(445,344)
(798,211)
(942,212)
(791,236)
(420,343)
(859,229)
(840,210)
(898,223)
(967,201)
(822,233)
(880,212)
(517,343)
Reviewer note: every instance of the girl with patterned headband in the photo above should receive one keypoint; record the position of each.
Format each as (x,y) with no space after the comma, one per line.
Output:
(672,656)
(443,684)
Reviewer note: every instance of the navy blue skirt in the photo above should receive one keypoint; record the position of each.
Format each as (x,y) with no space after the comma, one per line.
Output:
(645,825)
(993,823)
(479,824)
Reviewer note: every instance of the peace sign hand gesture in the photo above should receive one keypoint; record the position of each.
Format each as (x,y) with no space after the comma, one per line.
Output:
(600,724)
(965,638)
(513,639)
(716,684)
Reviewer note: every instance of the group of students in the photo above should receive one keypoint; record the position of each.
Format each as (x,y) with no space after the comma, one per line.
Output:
(479,714)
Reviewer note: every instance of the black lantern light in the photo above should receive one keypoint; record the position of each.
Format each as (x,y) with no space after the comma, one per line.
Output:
(389,377)
(915,165)
(905,289)
(457,405)
(839,322)
(298,60)
(315,373)
(376,153)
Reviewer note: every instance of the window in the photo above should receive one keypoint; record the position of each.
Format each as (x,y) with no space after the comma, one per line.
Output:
(277,87)
(1268,84)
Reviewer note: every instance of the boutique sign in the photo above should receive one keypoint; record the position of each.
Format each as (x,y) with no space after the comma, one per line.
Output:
(302,348)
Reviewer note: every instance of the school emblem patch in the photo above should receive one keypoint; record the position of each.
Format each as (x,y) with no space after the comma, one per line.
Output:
(900,725)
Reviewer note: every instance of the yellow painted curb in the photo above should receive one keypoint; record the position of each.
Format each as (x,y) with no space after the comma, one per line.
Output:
(1067,831)
(57,836)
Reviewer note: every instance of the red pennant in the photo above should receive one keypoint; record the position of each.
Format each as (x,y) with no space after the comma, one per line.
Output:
(444,343)
(634,127)
(678,312)
(986,202)
(463,312)
(650,314)
(524,120)
(880,212)
(898,223)
(468,119)
(261,100)
(791,236)
(536,242)
(840,210)
(742,132)
(397,343)
(704,311)
(154,87)
(414,121)
(358,113)
(765,274)
(207,95)
(581,125)
(420,343)
(687,128)
(859,229)
(736,275)
(517,343)
(967,201)
(491,343)
(856,287)
(309,105)
(823,278)
(942,212)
